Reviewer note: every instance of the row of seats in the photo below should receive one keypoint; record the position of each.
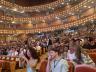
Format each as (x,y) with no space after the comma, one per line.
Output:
(9,58)
(8,63)
(7,66)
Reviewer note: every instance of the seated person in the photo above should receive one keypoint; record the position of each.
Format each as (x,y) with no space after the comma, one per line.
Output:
(79,58)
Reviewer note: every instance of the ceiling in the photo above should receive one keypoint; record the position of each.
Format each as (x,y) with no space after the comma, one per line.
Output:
(31,2)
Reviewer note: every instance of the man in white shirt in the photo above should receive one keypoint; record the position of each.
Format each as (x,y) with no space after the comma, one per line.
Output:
(55,61)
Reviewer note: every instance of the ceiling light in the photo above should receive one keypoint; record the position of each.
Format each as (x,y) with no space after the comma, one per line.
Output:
(92,2)
(92,20)
(22,12)
(0,6)
(1,21)
(6,8)
(43,21)
(52,8)
(30,22)
(72,14)
(39,32)
(62,3)
(85,6)
(67,3)
(13,22)
(89,6)
(14,9)
(57,17)
(37,10)
(49,7)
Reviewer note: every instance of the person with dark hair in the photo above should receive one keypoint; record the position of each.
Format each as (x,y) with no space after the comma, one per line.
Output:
(78,56)
(31,58)
(55,62)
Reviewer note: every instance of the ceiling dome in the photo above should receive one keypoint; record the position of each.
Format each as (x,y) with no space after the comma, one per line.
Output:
(31,2)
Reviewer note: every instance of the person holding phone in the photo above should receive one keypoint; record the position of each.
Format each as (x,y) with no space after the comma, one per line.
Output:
(31,59)
(55,62)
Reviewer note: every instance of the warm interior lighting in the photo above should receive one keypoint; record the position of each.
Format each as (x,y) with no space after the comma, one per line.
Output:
(89,6)
(92,2)
(22,12)
(62,3)
(85,6)
(13,22)
(14,9)
(1,21)
(0,6)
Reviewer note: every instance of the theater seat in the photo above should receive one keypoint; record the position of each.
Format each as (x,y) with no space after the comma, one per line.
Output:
(71,66)
(43,66)
(0,67)
(84,68)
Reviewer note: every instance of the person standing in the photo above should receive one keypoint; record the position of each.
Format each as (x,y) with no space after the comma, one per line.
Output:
(55,62)
(31,59)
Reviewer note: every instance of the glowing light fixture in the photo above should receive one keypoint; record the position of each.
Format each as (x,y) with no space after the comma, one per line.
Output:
(1,21)
(14,9)
(0,6)
(13,22)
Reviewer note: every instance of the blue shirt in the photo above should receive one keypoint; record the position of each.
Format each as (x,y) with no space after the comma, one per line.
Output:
(29,69)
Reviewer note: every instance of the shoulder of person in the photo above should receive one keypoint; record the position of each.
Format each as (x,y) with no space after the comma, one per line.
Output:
(63,61)
(65,64)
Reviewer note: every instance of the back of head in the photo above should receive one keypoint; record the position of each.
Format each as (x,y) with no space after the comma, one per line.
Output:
(33,53)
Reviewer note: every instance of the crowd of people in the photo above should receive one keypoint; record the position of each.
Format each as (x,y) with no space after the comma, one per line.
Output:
(58,47)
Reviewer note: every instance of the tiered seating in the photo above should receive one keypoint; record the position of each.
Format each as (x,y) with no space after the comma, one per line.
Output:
(9,63)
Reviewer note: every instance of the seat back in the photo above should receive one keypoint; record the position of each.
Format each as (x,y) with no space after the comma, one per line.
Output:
(0,67)
(43,66)
(84,68)
(71,66)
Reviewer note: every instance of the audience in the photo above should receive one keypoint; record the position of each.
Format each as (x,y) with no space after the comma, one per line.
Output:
(60,47)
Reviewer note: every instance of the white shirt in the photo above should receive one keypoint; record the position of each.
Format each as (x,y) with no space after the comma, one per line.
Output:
(60,66)
(71,56)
